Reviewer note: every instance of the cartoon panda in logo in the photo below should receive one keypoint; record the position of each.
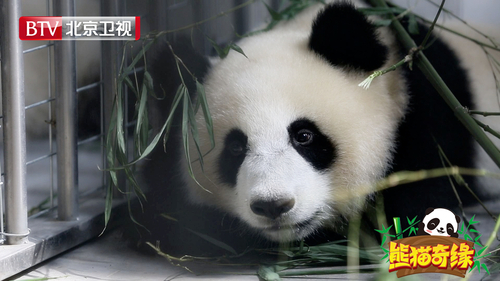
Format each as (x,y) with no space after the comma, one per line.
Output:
(439,222)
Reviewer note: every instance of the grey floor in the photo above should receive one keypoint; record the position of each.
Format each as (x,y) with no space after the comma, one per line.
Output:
(107,258)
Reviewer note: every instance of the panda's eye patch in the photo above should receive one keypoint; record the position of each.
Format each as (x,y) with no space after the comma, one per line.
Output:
(432,224)
(236,148)
(449,229)
(304,137)
(311,143)
(232,156)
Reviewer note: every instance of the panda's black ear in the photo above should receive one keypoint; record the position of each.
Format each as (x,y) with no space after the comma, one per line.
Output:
(428,210)
(457,218)
(344,37)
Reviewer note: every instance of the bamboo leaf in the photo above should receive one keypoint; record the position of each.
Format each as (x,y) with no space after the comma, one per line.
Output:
(108,207)
(120,134)
(221,52)
(268,273)
(410,222)
(130,85)
(382,22)
(173,108)
(168,217)
(185,137)
(202,97)
(141,113)
(158,136)
(485,268)
(216,242)
(194,131)
(472,221)
(274,15)
(237,49)
(131,216)
(480,252)
(136,59)
(110,156)
(384,238)
(412,24)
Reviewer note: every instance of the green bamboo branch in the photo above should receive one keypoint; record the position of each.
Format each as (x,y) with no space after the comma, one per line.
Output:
(460,180)
(428,35)
(404,177)
(467,24)
(493,47)
(488,128)
(484,113)
(365,84)
(431,74)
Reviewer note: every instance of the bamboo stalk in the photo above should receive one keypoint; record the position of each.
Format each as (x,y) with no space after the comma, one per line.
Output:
(431,74)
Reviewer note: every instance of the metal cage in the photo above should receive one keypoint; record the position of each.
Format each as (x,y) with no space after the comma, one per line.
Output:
(70,214)
(52,183)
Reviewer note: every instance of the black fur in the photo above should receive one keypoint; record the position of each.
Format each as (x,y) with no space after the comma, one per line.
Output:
(232,156)
(344,37)
(428,123)
(161,174)
(319,151)
(355,46)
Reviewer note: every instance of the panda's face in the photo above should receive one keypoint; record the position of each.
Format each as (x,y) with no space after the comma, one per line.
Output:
(297,146)
(441,222)
(298,143)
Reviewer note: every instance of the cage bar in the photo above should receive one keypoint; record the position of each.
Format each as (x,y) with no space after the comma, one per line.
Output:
(66,120)
(16,218)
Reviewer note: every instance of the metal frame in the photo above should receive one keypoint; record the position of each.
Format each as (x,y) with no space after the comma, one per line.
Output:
(16,220)
(77,217)
(67,126)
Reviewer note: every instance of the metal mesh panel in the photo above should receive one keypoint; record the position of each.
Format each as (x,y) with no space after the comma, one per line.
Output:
(47,71)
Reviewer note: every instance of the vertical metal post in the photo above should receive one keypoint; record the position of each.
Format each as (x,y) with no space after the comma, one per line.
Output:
(111,60)
(241,18)
(66,120)
(2,237)
(16,219)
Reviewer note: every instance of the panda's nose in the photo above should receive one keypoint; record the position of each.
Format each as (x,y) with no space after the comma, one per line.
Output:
(272,209)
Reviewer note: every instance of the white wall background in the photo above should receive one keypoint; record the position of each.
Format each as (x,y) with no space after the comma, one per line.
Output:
(472,11)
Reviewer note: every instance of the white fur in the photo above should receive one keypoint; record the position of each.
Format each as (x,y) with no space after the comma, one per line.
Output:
(445,217)
(279,82)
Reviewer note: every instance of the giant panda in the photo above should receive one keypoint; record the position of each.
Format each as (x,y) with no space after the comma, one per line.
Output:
(298,144)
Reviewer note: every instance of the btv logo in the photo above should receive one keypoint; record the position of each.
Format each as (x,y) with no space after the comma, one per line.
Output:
(79,28)
(40,28)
